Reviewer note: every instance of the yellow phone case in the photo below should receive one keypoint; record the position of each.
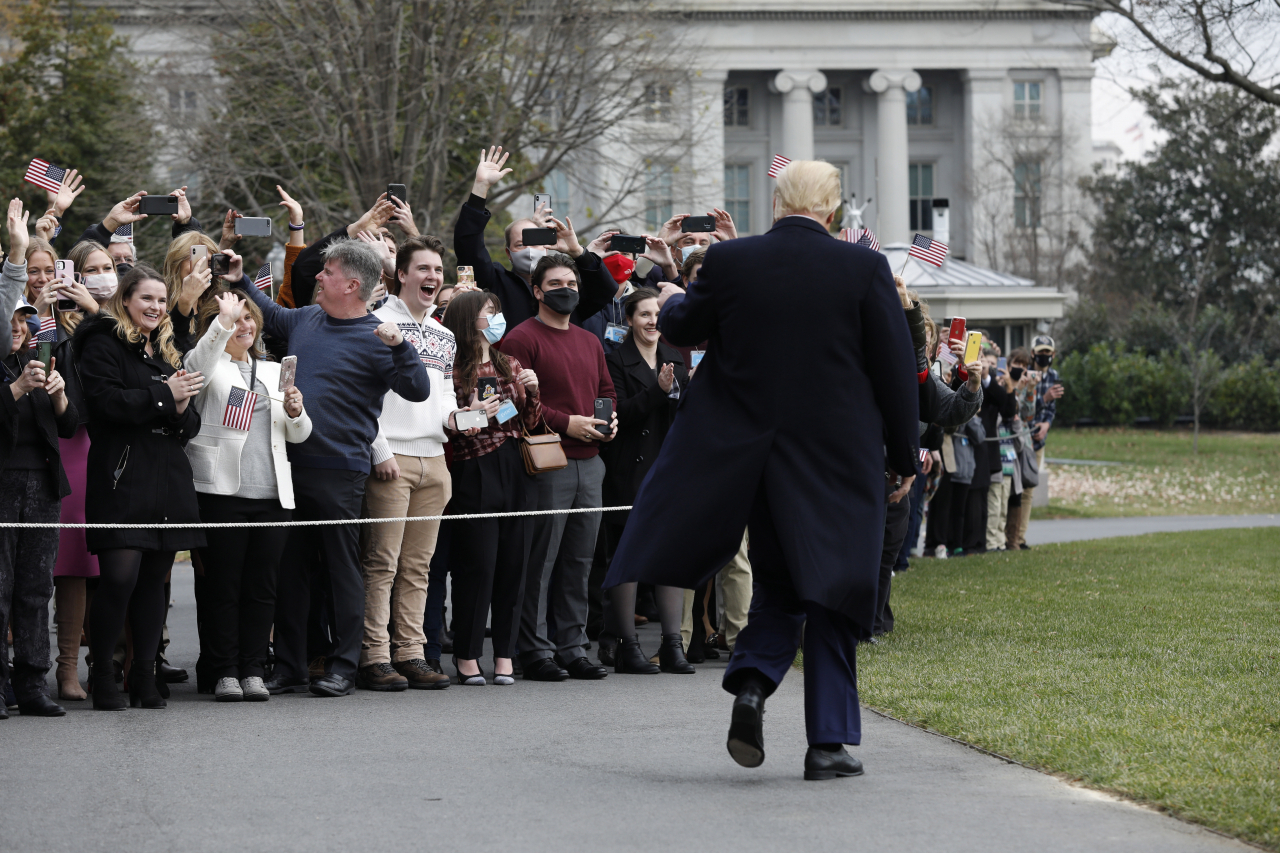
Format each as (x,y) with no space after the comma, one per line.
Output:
(972,347)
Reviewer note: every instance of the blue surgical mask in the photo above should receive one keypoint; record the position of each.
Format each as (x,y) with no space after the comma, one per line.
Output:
(497,327)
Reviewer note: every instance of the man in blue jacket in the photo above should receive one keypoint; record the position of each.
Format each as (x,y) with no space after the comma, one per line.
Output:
(803,395)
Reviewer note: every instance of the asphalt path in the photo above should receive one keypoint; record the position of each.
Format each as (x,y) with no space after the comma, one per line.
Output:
(630,763)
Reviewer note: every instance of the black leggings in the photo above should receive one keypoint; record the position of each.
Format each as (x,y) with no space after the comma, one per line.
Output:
(130,582)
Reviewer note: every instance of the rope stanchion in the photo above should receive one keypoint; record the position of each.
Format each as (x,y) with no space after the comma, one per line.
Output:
(216,525)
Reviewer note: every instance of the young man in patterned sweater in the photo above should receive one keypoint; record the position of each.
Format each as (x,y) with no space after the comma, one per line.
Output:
(409,479)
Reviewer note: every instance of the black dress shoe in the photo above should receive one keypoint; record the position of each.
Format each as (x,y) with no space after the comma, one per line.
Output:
(746,727)
(278,684)
(41,706)
(608,654)
(583,669)
(4,712)
(169,673)
(630,659)
(433,664)
(332,685)
(822,763)
(544,669)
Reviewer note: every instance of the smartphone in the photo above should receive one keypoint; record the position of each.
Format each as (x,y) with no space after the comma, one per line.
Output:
(471,420)
(538,236)
(1002,363)
(220,264)
(397,191)
(486,387)
(972,348)
(153,205)
(253,226)
(957,329)
(698,223)
(604,412)
(539,199)
(625,243)
(466,275)
(288,372)
(64,272)
(197,252)
(44,354)
(695,357)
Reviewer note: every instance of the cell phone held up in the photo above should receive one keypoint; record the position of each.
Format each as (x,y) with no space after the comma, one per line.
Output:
(220,264)
(627,243)
(538,236)
(288,372)
(44,354)
(253,226)
(604,412)
(957,329)
(398,191)
(972,347)
(64,274)
(158,205)
(693,224)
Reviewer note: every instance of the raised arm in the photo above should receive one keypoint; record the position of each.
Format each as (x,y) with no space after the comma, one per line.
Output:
(689,317)
(276,319)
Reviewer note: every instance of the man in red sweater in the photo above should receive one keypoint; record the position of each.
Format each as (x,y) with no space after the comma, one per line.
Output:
(571,370)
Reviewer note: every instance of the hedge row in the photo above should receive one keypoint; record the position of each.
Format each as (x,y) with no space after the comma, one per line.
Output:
(1113,386)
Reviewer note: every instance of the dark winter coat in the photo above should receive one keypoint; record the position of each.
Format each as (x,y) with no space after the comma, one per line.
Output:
(52,426)
(808,382)
(645,413)
(137,472)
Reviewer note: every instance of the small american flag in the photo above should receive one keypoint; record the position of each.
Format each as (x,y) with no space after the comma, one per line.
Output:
(860,236)
(927,250)
(124,233)
(924,454)
(45,174)
(779,163)
(239,412)
(48,333)
(263,279)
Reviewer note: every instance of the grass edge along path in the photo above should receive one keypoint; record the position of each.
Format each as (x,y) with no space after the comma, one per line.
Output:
(1146,667)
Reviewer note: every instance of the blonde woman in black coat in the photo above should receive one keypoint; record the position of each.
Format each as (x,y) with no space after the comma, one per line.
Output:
(649,377)
(139,420)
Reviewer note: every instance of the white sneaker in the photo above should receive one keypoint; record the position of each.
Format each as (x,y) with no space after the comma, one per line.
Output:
(254,690)
(228,690)
(940,552)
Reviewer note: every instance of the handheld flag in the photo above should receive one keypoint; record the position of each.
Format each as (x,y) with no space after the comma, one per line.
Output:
(263,279)
(928,250)
(48,333)
(123,234)
(44,174)
(239,412)
(779,163)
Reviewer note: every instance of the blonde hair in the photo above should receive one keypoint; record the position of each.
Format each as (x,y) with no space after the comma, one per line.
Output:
(807,186)
(127,330)
(37,245)
(179,251)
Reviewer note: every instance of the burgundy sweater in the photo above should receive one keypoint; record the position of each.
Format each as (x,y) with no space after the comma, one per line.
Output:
(571,375)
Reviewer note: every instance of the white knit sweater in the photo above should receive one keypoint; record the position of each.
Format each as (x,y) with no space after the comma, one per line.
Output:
(417,429)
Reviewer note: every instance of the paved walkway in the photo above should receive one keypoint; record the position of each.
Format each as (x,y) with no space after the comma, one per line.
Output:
(1075,529)
(630,763)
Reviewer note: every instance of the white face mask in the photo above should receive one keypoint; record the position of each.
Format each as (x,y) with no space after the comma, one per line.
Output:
(101,286)
(524,260)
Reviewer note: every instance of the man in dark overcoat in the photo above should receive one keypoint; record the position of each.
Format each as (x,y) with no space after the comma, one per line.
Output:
(807,390)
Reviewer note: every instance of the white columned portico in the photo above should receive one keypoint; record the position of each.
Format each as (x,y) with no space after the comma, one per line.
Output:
(892,86)
(798,88)
(707,125)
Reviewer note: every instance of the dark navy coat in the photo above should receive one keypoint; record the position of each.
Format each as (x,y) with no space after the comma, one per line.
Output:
(808,382)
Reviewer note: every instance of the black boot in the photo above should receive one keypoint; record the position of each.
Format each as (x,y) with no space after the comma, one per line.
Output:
(629,658)
(142,685)
(608,654)
(102,685)
(671,655)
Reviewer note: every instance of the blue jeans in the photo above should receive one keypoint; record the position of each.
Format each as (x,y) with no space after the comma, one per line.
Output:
(913,529)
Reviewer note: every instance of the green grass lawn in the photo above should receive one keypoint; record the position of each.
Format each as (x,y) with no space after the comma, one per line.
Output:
(1233,473)
(1147,666)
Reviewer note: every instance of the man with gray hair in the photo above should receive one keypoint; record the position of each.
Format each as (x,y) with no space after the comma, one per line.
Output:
(347,361)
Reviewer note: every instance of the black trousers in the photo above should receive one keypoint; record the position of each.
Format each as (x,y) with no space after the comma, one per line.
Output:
(778,622)
(239,590)
(489,557)
(320,560)
(975,515)
(26,578)
(896,521)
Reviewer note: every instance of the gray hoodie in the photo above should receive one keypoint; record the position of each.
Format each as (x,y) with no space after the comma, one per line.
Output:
(13,281)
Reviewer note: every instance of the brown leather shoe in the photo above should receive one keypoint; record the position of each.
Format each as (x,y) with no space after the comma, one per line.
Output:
(380,676)
(420,675)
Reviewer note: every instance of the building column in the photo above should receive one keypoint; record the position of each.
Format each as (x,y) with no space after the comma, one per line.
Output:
(893,197)
(707,123)
(797,88)
(986,94)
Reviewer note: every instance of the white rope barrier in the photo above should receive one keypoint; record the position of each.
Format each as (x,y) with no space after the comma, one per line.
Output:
(215,525)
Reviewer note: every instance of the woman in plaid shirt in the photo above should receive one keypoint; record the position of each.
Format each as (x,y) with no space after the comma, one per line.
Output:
(489,557)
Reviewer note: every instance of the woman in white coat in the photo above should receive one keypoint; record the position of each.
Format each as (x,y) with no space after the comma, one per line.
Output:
(241,474)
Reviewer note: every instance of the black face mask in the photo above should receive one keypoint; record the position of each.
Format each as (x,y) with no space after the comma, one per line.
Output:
(561,300)
(1043,359)
(1015,373)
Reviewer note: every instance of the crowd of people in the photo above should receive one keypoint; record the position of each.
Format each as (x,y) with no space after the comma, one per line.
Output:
(371,389)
